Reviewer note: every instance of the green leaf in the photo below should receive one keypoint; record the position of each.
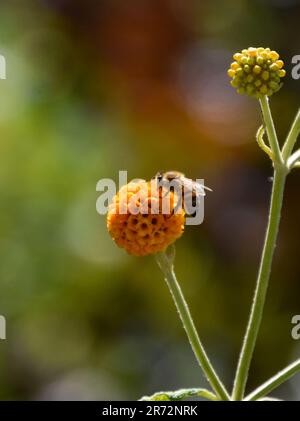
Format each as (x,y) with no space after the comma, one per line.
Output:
(180,394)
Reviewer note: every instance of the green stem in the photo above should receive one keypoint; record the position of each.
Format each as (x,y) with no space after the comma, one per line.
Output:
(292,137)
(261,286)
(188,324)
(267,116)
(275,381)
(293,159)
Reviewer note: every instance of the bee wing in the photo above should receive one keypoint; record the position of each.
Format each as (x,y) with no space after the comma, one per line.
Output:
(192,191)
(207,188)
(194,187)
(188,184)
(200,188)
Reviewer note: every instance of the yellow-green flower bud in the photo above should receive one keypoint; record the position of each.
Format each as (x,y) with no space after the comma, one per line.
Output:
(265,75)
(256,72)
(257,69)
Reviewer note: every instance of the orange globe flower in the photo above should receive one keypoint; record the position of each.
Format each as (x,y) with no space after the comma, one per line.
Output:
(142,220)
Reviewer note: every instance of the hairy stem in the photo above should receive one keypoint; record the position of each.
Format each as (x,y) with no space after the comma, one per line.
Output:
(188,324)
(270,128)
(274,381)
(293,159)
(292,137)
(261,286)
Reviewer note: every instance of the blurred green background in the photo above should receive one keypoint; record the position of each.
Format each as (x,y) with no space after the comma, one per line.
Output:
(95,87)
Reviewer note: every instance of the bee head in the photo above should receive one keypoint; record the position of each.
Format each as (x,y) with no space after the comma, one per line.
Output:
(158,176)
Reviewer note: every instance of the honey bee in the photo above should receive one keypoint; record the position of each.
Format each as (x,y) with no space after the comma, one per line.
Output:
(189,191)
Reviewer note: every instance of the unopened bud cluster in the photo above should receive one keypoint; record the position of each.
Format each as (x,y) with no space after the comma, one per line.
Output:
(256,72)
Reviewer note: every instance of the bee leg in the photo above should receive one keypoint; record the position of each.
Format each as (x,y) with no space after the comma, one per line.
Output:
(178,205)
(195,205)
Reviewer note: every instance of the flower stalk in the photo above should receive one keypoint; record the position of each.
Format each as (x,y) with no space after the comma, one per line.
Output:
(275,381)
(294,160)
(292,137)
(280,173)
(271,132)
(166,265)
(261,286)
(283,162)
